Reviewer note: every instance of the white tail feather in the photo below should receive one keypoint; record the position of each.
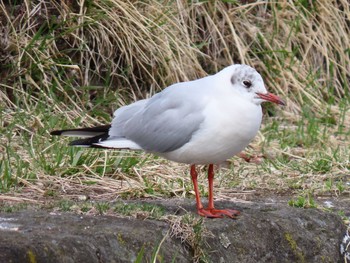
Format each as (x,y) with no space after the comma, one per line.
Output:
(82,134)
(119,144)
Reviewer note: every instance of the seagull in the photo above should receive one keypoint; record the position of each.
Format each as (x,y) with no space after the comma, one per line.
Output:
(200,122)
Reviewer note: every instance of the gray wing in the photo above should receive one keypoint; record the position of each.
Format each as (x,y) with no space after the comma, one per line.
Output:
(162,123)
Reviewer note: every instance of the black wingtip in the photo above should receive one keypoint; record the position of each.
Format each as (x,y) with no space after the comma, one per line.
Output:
(93,130)
(56,132)
(80,142)
(88,142)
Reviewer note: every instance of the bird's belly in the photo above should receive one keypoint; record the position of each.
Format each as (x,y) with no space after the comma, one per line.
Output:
(219,138)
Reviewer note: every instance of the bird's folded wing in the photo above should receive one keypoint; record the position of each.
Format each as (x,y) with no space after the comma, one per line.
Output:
(161,124)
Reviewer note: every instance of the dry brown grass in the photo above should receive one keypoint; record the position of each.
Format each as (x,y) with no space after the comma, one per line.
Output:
(69,63)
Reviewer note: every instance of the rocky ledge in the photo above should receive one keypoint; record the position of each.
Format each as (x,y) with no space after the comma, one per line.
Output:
(264,232)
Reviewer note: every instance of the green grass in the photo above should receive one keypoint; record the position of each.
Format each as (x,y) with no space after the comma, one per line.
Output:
(66,205)
(76,66)
(13,208)
(103,207)
(156,255)
(304,201)
(147,210)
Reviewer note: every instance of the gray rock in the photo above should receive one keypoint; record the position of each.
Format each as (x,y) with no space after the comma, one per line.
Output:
(263,233)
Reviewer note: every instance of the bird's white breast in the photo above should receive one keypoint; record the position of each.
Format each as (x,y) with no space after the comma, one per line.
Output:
(228,128)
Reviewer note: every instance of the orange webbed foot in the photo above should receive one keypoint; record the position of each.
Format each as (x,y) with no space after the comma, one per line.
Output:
(218,213)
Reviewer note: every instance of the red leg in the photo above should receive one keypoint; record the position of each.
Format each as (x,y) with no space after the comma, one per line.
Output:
(210,211)
(210,186)
(194,176)
(228,212)
(200,210)
(251,159)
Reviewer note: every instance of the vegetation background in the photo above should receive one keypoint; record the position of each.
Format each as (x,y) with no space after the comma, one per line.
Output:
(73,63)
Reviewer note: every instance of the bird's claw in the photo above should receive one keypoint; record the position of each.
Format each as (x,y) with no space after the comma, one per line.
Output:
(218,213)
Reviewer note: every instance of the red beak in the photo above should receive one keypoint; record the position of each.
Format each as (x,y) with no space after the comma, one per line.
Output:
(271,97)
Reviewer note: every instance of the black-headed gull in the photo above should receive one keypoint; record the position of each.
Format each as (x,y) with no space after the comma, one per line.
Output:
(204,121)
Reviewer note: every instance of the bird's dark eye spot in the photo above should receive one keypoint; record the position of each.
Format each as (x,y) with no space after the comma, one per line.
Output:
(247,83)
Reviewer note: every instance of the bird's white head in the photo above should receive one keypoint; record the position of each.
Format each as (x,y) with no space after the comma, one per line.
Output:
(246,82)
